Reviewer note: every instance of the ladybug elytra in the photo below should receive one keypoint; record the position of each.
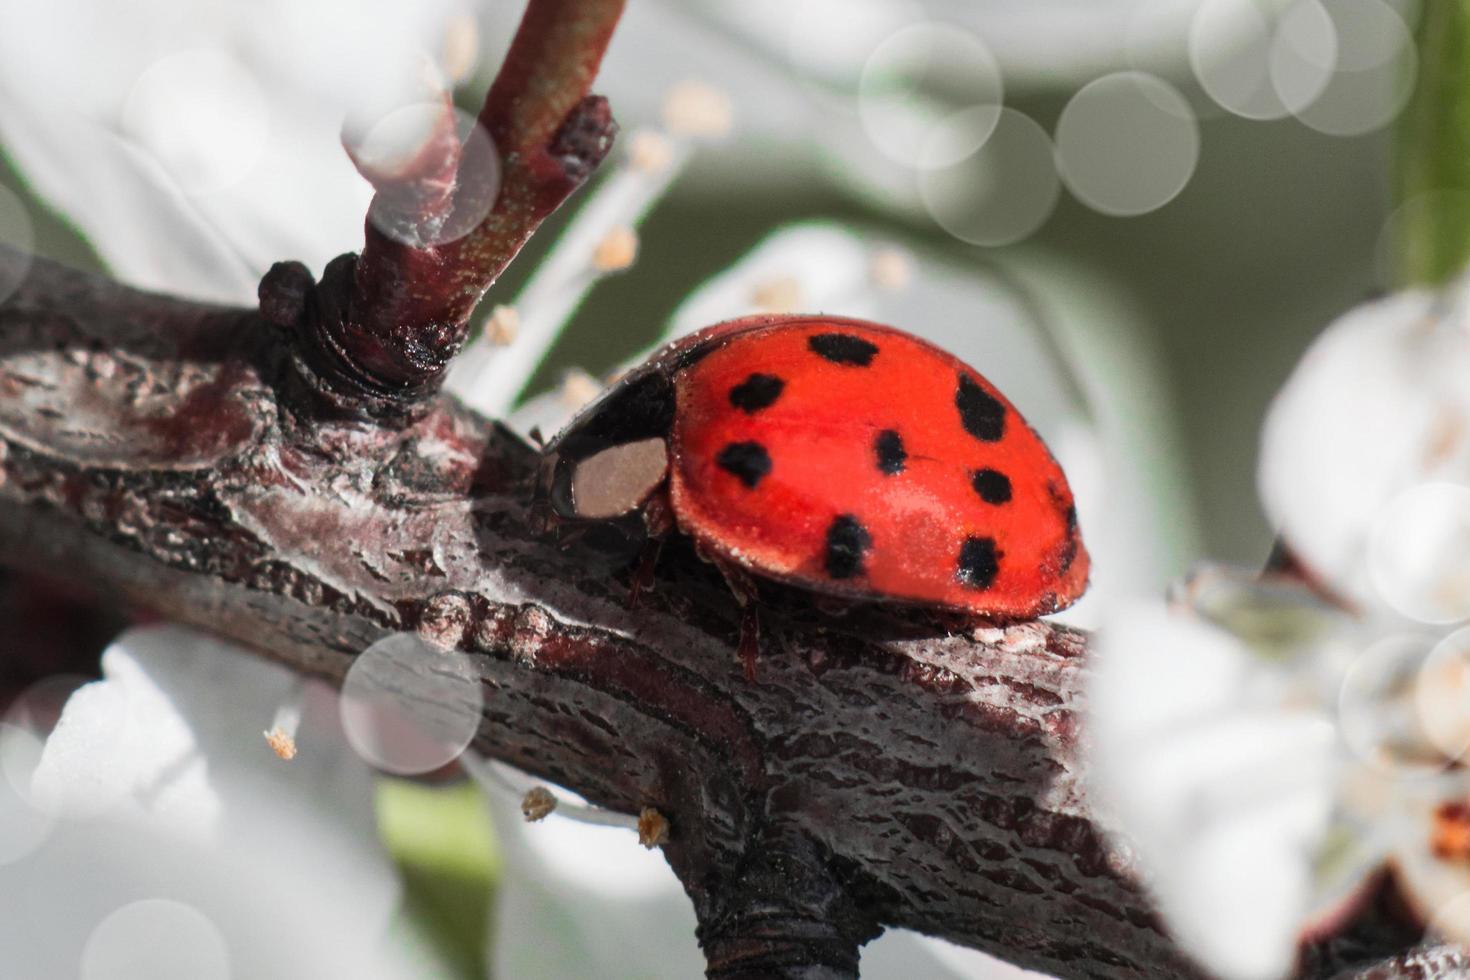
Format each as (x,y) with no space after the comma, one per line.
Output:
(836,455)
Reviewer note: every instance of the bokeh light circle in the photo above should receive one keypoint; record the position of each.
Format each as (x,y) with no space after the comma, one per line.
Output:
(409,707)
(391,142)
(23,826)
(34,714)
(1002,190)
(17,232)
(38,708)
(1448,918)
(1127,143)
(1407,241)
(1303,53)
(156,939)
(202,116)
(915,80)
(1419,553)
(1377,715)
(1442,695)
(1259,62)
(838,60)
(1375,72)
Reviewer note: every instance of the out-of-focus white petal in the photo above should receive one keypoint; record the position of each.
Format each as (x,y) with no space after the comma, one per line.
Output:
(899,954)
(121,743)
(1436,883)
(1237,893)
(1377,406)
(490,377)
(1156,669)
(1036,44)
(1220,768)
(816,267)
(572,893)
(198,191)
(23,825)
(282,858)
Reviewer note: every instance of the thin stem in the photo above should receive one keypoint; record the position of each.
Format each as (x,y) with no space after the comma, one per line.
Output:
(1433,151)
(491,379)
(391,320)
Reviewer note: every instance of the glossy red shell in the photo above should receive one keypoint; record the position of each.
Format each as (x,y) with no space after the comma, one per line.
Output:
(869,464)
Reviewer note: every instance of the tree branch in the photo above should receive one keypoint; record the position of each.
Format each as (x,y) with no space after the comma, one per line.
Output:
(386,323)
(879,771)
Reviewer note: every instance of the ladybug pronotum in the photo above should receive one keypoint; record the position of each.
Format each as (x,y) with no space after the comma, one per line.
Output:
(836,455)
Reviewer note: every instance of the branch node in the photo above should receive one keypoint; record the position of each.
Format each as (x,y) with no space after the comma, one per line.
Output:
(420,275)
(328,379)
(782,913)
(584,138)
(283,292)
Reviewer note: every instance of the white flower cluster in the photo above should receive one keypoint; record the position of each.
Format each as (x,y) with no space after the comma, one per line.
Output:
(1268,743)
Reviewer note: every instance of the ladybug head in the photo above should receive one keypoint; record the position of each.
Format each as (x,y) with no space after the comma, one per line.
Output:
(611,483)
(611,458)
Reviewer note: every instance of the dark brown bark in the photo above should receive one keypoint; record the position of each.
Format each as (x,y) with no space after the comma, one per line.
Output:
(877,772)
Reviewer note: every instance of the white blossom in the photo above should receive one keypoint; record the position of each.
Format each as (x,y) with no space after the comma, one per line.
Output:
(195,144)
(1376,410)
(1263,752)
(159,786)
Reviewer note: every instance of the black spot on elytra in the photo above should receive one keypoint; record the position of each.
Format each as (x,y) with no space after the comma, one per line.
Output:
(979,562)
(843,348)
(747,461)
(847,542)
(982,415)
(888,447)
(993,486)
(1069,547)
(1067,510)
(756,392)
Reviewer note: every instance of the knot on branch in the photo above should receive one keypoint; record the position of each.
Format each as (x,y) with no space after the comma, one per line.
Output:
(330,378)
(584,138)
(783,912)
(284,292)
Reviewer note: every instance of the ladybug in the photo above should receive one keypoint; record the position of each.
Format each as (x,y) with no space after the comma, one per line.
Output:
(840,456)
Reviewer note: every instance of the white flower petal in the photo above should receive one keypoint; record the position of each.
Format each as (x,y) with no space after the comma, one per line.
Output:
(1157,670)
(23,826)
(1376,406)
(1437,886)
(816,267)
(1235,894)
(1222,776)
(85,768)
(571,896)
(198,192)
(283,858)
(899,954)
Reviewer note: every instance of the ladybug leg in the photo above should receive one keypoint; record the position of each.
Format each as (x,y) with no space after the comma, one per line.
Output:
(658,518)
(658,515)
(747,595)
(750,639)
(647,563)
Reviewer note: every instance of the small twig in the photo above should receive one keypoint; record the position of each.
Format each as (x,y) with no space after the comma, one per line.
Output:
(413,197)
(490,379)
(386,323)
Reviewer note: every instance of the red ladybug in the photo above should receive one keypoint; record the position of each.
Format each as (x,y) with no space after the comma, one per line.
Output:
(836,455)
